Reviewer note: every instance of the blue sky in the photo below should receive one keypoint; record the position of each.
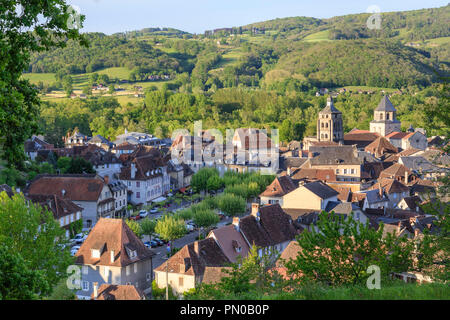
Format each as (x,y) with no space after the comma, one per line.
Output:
(196,16)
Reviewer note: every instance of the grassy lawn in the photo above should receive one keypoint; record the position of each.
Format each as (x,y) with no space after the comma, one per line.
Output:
(397,290)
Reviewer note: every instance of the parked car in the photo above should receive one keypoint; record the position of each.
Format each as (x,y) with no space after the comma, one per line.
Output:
(79,238)
(154,210)
(170,194)
(143,213)
(74,250)
(158,241)
(190,227)
(153,243)
(222,216)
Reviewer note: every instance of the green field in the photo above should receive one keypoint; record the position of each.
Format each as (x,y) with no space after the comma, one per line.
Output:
(46,78)
(318,36)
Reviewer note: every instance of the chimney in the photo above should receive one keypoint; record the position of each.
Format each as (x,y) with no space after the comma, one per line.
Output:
(106,178)
(310,154)
(95,290)
(236,221)
(113,257)
(399,226)
(416,232)
(255,209)
(133,170)
(196,248)
(380,189)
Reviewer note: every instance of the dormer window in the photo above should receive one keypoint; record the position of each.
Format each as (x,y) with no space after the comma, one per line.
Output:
(95,253)
(133,254)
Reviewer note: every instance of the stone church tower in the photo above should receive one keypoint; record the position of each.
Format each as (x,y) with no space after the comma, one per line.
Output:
(385,118)
(330,126)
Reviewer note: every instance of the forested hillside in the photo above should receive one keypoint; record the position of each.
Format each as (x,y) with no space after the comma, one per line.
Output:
(261,75)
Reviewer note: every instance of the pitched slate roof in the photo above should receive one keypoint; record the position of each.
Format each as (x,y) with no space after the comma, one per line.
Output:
(118,292)
(413,202)
(279,187)
(112,235)
(75,187)
(334,155)
(330,108)
(193,258)
(418,163)
(277,223)
(321,190)
(337,207)
(373,196)
(385,105)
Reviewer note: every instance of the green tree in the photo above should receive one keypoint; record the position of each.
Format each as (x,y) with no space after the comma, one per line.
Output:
(17,280)
(148,227)
(135,227)
(199,180)
(205,219)
(214,183)
(341,249)
(249,278)
(31,231)
(19,102)
(231,204)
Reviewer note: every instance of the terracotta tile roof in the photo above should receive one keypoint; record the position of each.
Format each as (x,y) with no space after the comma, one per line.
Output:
(289,253)
(193,258)
(380,147)
(323,143)
(390,186)
(399,135)
(112,235)
(147,167)
(396,170)
(279,187)
(314,174)
(76,187)
(345,193)
(215,274)
(361,138)
(229,239)
(118,292)
(59,207)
